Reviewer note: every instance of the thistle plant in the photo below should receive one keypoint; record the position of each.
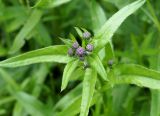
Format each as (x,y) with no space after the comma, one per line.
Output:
(81,52)
(103,76)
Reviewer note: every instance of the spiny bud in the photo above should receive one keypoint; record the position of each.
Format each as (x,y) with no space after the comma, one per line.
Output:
(70,52)
(89,47)
(80,51)
(75,45)
(86,35)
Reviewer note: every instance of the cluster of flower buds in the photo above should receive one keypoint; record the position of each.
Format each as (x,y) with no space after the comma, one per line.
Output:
(78,51)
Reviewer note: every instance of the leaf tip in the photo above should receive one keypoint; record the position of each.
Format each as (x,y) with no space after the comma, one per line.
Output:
(62,89)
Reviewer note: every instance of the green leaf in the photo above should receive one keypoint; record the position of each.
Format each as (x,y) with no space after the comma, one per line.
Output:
(97,15)
(42,36)
(50,3)
(136,74)
(10,82)
(140,81)
(133,69)
(155,103)
(27,28)
(73,108)
(79,31)
(119,3)
(96,63)
(144,109)
(88,90)
(6,100)
(3,111)
(31,104)
(71,96)
(68,70)
(78,74)
(155,94)
(18,110)
(48,54)
(3,51)
(108,29)
(66,41)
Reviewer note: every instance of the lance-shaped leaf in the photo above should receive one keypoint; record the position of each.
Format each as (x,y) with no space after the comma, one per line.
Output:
(138,75)
(30,103)
(73,107)
(96,64)
(56,53)
(79,31)
(133,69)
(108,29)
(88,90)
(97,15)
(155,103)
(50,3)
(141,81)
(27,28)
(70,96)
(68,70)
(155,94)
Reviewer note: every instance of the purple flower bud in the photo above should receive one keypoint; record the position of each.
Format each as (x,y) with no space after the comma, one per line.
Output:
(80,51)
(70,52)
(86,35)
(89,47)
(75,45)
(110,62)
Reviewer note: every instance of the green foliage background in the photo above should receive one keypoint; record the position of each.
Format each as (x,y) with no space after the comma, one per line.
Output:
(134,79)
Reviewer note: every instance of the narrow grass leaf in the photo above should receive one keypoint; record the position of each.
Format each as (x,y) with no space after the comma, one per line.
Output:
(50,3)
(138,75)
(56,53)
(68,70)
(96,63)
(140,81)
(9,81)
(155,103)
(18,110)
(42,35)
(30,103)
(6,100)
(133,69)
(97,15)
(108,29)
(27,28)
(88,90)
(155,94)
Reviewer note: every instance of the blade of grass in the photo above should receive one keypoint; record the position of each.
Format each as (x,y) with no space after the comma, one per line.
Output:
(27,28)
(50,3)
